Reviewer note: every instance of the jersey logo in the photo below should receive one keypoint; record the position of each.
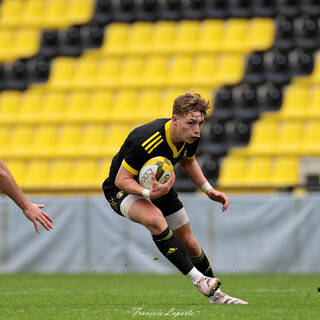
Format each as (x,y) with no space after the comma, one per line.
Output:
(151,143)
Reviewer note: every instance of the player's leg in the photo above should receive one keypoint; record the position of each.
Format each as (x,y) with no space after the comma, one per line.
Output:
(196,253)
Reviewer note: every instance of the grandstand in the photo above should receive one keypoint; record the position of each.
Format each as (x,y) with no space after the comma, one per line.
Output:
(77,75)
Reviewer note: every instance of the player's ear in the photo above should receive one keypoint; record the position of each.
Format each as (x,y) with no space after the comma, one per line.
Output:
(174,119)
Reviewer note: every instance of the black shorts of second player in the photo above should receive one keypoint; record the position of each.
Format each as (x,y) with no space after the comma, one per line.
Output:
(168,204)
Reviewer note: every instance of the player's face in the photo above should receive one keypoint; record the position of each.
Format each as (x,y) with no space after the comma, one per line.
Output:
(188,127)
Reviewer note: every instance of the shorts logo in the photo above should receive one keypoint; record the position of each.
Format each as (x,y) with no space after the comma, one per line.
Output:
(171,251)
(120,194)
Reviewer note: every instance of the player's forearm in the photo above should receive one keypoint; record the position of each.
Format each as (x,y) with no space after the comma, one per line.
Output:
(10,187)
(130,186)
(193,171)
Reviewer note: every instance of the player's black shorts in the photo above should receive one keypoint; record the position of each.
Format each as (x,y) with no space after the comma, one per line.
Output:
(168,204)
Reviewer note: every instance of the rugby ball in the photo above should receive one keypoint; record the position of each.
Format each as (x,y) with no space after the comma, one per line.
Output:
(161,166)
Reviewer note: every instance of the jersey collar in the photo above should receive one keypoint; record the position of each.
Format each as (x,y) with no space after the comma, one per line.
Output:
(169,141)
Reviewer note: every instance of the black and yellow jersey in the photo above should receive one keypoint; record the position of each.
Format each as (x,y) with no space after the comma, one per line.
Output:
(145,142)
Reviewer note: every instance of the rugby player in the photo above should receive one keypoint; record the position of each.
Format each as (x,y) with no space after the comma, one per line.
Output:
(159,209)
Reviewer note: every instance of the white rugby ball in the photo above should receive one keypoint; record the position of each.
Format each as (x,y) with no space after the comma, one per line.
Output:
(161,166)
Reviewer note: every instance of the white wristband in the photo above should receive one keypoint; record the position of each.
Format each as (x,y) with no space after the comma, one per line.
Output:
(206,187)
(146,193)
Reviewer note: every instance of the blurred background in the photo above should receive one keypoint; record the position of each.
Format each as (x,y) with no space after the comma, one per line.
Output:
(77,75)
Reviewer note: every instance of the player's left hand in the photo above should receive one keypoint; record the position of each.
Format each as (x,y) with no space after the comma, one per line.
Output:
(219,197)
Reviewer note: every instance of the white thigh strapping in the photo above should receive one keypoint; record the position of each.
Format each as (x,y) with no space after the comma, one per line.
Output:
(126,204)
(177,219)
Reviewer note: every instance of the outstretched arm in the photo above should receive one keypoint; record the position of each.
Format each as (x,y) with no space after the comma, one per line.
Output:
(191,168)
(32,211)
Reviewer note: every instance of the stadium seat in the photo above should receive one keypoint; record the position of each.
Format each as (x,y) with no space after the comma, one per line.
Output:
(148,105)
(116,135)
(17,168)
(289,139)
(132,71)
(56,15)
(31,102)
(26,43)
(311,139)
(93,140)
(313,110)
(260,34)
(163,37)
(259,172)
(100,106)
(108,74)
(5,140)
(9,106)
(33,12)
(234,36)
(44,141)
(7,43)
(230,68)
(116,39)
(295,102)
(68,140)
(155,72)
(286,172)
(77,106)
(187,32)
(85,73)
(20,140)
(210,36)
(36,174)
(232,172)
(204,71)
(53,107)
(180,71)
(85,174)
(140,38)
(124,105)
(62,71)
(80,11)
(61,174)
(11,13)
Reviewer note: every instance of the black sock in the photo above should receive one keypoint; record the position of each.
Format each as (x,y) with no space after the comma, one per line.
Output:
(203,265)
(173,249)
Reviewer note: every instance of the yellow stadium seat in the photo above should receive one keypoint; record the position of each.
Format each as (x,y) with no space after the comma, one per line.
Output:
(108,75)
(311,139)
(187,32)
(149,105)
(260,34)
(36,174)
(204,72)
(259,172)
(62,71)
(210,36)
(55,14)
(116,40)
(53,106)
(264,137)
(163,37)
(31,103)
(44,141)
(289,138)
(77,106)
(230,68)
(10,13)
(295,102)
(167,99)
(85,73)
(132,71)
(7,43)
(61,174)
(124,105)
(140,38)
(33,13)
(286,172)
(80,11)
(27,42)
(116,135)
(85,174)
(17,168)
(93,140)
(5,134)
(100,106)
(9,106)
(232,172)
(155,73)
(234,36)
(180,71)
(68,140)
(313,110)
(21,140)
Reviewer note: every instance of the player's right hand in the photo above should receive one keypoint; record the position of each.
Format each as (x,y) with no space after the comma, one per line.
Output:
(160,189)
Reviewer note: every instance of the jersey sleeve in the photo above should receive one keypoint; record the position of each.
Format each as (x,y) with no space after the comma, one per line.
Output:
(135,157)
(191,150)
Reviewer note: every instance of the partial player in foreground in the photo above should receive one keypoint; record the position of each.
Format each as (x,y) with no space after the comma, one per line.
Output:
(159,209)
(32,211)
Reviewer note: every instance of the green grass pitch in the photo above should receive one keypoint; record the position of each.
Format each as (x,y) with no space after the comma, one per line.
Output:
(148,296)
